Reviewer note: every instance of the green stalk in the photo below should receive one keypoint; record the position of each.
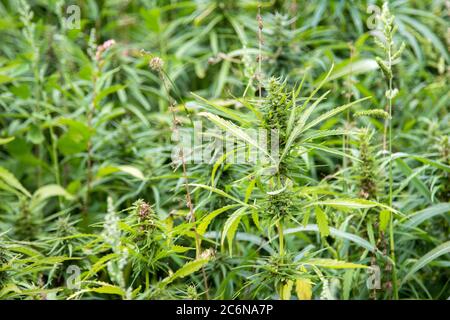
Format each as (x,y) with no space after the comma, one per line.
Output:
(391,223)
(281,237)
(172,102)
(390,53)
(37,97)
(345,138)
(55,160)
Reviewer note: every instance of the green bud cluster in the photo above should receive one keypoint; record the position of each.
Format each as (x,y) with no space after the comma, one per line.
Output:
(367,168)
(276,109)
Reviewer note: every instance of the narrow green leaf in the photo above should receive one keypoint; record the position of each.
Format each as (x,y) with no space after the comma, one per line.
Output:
(230,227)
(105,92)
(51,190)
(334,264)
(11,180)
(205,221)
(420,216)
(427,258)
(6,140)
(322,222)
(385,217)
(187,269)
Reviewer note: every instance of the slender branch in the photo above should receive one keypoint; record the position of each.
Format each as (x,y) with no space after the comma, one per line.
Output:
(260,43)
(156,64)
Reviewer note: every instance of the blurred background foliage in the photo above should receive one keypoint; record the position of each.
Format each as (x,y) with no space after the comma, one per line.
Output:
(78,129)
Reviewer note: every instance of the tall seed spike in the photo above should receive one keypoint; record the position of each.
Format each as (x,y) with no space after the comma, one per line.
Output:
(399,51)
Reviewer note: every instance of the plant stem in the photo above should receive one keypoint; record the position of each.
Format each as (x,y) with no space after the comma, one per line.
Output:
(198,249)
(260,42)
(281,237)
(37,97)
(345,137)
(55,157)
(89,160)
(391,224)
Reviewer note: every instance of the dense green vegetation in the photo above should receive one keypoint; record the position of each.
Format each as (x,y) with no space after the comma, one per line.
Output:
(101,198)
